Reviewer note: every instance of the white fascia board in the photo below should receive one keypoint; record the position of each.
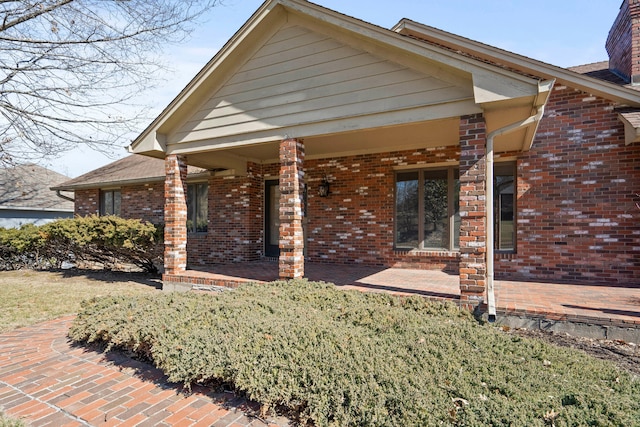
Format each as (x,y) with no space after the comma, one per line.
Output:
(203,74)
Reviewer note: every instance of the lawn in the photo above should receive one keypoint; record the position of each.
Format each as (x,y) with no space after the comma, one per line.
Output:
(28,297)
(336,358)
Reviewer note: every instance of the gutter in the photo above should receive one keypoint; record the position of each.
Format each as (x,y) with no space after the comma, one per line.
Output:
(491,298)
(23,208)
(62,196)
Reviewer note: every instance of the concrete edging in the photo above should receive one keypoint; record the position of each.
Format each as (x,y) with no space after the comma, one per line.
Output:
(572,327)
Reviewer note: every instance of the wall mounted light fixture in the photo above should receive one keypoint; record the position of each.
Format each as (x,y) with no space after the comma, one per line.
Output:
(323,188)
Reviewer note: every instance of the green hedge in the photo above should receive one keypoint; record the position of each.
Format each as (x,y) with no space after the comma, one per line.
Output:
(110,241)
(354,359)
(10,422)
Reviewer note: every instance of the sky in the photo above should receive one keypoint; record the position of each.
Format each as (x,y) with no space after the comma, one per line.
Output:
(559,32)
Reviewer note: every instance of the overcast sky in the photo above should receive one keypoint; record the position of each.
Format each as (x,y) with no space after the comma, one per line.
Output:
(559,32)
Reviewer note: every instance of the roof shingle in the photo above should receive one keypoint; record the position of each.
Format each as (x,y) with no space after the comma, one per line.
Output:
(27,187)
(133,168)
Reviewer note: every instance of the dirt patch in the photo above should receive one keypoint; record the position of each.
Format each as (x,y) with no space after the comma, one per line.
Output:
(625,355)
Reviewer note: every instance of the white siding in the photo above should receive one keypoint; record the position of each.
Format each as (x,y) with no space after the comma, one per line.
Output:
(301,77)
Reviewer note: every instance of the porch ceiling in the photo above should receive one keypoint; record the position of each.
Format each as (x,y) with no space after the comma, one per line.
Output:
(436,133)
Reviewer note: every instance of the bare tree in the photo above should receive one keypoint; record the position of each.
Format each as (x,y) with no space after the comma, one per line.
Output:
(70,69)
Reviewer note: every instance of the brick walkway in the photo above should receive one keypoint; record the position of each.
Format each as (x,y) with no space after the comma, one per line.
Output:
(48,382)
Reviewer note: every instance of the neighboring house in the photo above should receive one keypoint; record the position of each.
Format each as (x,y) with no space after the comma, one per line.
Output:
(330,139)
(25,196)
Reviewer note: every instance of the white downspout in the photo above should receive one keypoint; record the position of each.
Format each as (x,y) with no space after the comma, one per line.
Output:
(491,298)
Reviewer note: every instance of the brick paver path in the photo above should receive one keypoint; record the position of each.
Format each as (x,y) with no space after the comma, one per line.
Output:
(47,381)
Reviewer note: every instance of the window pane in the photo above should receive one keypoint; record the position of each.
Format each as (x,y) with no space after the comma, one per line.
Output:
(407,201)
(202,208)
(274,215)
(107,203)
(436,212)
(117,202)
(191,208)
(456,209)
(504,187)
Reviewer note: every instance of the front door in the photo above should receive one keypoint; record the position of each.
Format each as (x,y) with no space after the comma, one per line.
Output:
(272,218)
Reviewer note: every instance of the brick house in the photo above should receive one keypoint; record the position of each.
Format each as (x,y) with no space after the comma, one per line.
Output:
(324,138)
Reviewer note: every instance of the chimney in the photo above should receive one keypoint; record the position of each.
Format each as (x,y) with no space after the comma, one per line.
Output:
(623,42)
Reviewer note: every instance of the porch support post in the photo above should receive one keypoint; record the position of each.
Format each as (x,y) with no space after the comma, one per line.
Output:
(291,241)
(175,214)
(473,220)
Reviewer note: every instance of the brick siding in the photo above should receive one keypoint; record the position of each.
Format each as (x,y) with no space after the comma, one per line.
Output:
(175,214)
(291,262)
(235,221)
(576,216)
(87,202)
(473,224)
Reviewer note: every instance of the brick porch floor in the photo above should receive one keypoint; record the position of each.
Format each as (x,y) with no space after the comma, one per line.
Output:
(600,304)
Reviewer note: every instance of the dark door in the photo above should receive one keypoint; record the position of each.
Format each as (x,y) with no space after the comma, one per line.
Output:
(271,218)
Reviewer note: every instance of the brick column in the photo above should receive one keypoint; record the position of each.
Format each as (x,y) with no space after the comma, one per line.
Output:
(473,265)
(175,214)
(291,242)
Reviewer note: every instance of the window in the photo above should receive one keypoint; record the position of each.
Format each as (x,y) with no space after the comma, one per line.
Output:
(110,202)
(504,206)
(197,208)
(428,209)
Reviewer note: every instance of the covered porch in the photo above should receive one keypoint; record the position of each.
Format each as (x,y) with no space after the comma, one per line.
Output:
(597,310)
(303,97)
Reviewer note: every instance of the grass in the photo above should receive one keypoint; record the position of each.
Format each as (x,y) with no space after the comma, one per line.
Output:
(28,297)
(339,358)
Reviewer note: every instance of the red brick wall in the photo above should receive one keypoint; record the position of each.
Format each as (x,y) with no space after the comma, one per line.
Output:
(145,201)
(576,217)
(235,221)
(355,223)
(87,202)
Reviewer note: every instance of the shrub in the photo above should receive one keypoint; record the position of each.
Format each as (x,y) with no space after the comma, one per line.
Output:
(21,248)
(348,358)
(9,422)
(108,240)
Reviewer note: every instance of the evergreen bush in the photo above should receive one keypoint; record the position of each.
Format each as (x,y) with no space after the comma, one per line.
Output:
(109,241)
(340,358)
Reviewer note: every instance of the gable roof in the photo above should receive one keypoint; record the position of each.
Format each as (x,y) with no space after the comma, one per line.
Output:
(133,169)
(489,85)
(26,187)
